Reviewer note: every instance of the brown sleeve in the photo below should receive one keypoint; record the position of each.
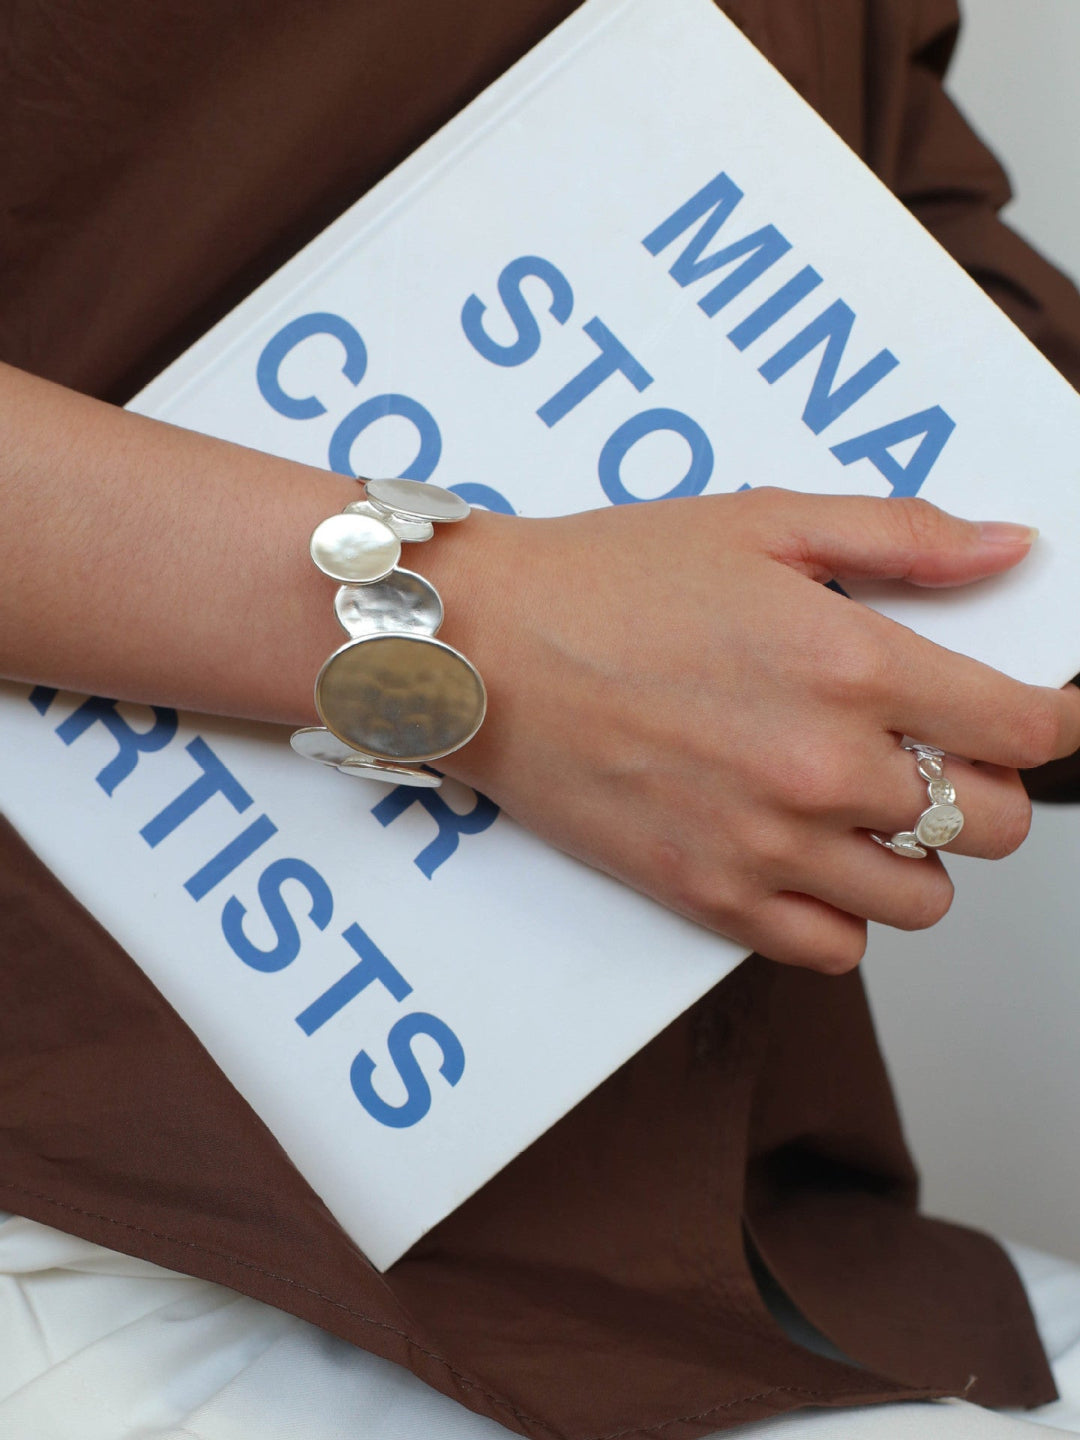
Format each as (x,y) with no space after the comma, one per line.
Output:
(956,187)
(953,183)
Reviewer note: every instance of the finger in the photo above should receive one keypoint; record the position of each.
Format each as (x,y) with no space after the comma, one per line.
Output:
(852,874)
(860,537)
(992,799)
(802,930)
(970,709)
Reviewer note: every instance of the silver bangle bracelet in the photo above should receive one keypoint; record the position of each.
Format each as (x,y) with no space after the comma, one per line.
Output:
(392,698)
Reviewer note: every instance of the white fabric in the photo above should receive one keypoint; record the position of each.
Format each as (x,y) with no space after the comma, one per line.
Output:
(97,1346)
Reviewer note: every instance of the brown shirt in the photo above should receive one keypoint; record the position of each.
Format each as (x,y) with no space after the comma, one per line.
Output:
(161,160)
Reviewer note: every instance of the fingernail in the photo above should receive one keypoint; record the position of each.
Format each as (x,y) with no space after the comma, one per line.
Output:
(1001,532)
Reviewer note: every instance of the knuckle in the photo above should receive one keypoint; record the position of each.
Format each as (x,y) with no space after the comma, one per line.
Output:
(857,666)
(918,521)
(1011,829)
(1037,732)
(843,954)
(770,850)
(706,895)
(767,511)
(765,499)
(931,905)
(725,911)
(676,879)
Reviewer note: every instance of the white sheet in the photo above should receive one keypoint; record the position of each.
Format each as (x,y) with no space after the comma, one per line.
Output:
(97,1346)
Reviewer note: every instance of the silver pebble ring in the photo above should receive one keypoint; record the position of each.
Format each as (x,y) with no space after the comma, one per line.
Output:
(938,825)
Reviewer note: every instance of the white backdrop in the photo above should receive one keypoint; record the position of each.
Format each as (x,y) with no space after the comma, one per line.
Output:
(980,1017)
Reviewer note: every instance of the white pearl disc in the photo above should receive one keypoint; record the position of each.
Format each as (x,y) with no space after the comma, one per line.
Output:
(417,500)
(939,825)
(355,549)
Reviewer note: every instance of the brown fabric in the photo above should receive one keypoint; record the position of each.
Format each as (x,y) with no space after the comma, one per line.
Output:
(161,161)
(830,1207)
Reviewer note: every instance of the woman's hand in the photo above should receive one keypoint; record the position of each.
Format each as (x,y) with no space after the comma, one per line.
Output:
(676,698)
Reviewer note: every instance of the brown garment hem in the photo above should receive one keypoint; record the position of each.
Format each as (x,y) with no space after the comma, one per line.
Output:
(190,1258)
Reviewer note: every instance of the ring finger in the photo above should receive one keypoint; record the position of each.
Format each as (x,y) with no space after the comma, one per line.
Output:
(992,799)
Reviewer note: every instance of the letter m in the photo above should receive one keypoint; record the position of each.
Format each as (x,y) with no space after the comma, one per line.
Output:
(712,206)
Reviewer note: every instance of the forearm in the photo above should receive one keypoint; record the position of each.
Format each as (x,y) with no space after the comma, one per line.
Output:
(150,563)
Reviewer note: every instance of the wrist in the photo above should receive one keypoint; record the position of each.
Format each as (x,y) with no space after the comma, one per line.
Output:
(463,563)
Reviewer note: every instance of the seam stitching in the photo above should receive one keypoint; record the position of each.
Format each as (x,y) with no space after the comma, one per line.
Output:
(413,1344)
(715,1410)
(285,1280)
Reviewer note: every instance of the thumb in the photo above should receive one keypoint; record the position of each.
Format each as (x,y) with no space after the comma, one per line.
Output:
(861,538)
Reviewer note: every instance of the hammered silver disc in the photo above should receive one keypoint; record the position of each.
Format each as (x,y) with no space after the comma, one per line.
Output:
(939,825)
(355,549)
(407,698)
(942,792)
(414,531)
(905,843)
(390,774)
(417,500)
(402,603)
(931,767)
(315,742)
(411,530)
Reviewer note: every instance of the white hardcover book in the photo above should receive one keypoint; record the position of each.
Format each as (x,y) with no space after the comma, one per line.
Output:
(638,265)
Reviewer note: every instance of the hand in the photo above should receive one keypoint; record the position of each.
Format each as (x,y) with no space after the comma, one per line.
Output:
(677,699)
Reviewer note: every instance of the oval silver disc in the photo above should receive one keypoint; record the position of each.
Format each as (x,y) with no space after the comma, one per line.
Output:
(411,530)
(931,767)
(391,774)
(316,743)
(403,602)
(906,843)
(355,549)
(942,792)
(400,697)
(417,500)
(939,825)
